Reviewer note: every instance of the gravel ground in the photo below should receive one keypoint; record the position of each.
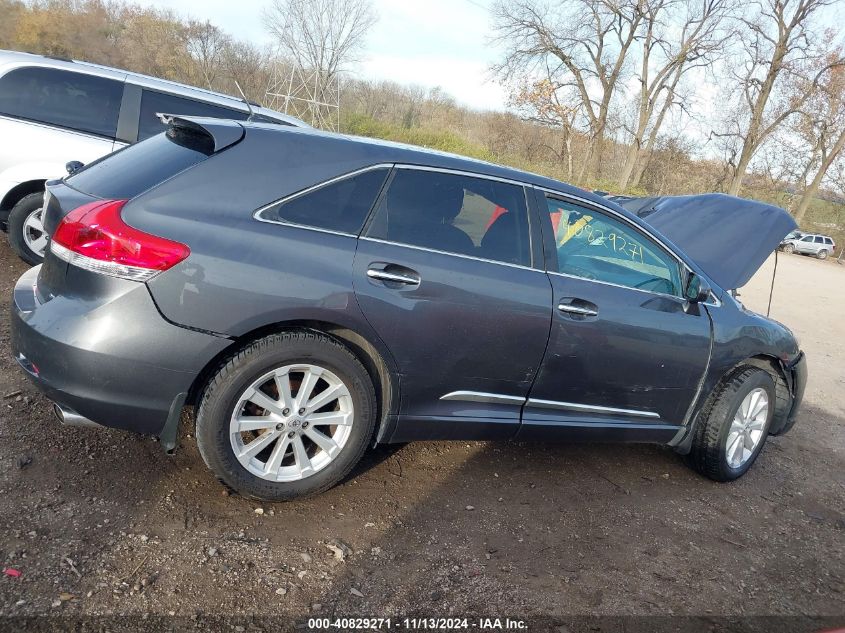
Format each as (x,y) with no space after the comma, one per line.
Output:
(102,522)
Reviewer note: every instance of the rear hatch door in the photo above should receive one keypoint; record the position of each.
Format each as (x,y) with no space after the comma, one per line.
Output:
(135,169)
(128,173)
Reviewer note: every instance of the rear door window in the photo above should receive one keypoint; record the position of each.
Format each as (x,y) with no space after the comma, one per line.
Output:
(67,99)
(153,102)
(455,213)
(340,205)
(136,168)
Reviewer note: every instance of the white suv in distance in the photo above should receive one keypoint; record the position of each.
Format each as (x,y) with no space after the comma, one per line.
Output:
(809,244)
(54,112)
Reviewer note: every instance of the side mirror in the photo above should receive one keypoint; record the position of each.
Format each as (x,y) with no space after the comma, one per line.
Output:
(697,290)
(73,166)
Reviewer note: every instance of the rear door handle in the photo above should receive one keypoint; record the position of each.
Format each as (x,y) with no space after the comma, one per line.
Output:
(573,309)
(407,279)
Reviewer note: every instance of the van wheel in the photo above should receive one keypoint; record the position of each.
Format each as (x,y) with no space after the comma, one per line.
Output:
(733,426)
(287,416)
(27,236)
(789,249)
(822,254)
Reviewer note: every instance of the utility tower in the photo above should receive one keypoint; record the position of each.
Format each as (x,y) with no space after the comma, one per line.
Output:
(306,94)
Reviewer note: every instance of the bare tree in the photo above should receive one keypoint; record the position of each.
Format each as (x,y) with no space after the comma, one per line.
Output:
(581,44)
(320,36)
(677,36)
(822,125)
(250,66)
(777,41)
(207,44)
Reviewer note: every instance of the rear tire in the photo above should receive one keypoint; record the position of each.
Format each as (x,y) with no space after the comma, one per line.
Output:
(26,233)
(726,441)
(822,254)
(789,249)
(289,464)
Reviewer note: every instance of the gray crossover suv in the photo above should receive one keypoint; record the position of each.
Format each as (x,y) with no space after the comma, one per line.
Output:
(820,246)
(313,294)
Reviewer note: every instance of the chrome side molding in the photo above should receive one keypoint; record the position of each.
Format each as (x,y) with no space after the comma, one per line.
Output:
(589,408)
(497,398)
(480,396)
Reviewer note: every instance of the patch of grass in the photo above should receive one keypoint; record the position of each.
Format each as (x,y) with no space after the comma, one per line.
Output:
(363,125)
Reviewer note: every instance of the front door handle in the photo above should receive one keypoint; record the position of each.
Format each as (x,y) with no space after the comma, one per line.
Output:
(573,309)
(397,278)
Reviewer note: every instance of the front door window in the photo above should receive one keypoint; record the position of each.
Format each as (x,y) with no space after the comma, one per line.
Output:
(596,246)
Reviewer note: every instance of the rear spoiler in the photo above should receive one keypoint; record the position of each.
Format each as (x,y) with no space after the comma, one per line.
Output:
(222,132)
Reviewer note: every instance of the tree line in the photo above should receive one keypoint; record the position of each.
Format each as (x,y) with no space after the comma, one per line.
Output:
(617,68)
(601,91)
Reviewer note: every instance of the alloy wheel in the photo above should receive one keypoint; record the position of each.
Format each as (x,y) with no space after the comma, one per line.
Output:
(291,422)
(747,426)
(34,235)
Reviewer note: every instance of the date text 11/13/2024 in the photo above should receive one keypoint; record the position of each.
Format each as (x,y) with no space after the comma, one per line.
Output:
(417,623)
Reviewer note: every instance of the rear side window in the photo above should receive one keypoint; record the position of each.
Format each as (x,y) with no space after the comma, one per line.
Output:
(341,205)
(136,168)
(153,102)
(828,240)
(455,214)
(63,98)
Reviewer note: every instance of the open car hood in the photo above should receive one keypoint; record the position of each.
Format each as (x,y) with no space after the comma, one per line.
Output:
(728,237)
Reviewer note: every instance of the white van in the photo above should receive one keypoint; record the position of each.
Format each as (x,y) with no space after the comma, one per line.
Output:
(54,112)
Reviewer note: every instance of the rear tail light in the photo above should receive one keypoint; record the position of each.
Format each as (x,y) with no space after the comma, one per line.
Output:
(96,238)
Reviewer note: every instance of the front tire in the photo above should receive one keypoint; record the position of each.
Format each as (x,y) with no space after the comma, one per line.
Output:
(789,249)
(734,425)
(288,416)
(27,236)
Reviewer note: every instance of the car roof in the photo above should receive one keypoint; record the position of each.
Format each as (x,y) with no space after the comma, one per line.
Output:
(393,152)
(17,58)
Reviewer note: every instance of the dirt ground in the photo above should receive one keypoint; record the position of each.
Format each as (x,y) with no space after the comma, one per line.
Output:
(103,522)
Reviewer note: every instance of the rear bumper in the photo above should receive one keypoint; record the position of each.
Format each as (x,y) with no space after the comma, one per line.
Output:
(106,354)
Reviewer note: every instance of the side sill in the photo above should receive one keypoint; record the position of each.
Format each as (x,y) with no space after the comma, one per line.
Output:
(416,428)
(598,432)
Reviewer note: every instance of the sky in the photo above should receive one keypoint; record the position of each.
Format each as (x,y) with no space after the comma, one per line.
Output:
(428,43)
